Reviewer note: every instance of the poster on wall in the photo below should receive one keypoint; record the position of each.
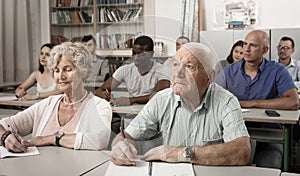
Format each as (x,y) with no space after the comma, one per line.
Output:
(240,14)
(235,14)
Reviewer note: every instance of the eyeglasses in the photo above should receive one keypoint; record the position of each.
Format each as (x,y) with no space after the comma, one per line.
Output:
(284,48)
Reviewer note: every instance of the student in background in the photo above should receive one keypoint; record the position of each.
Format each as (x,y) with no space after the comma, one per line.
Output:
(76,119)
(42,77)
(100,71)
(199,121)
(181,41)
(143,77)
(260,83)
(285,49)
(236,55)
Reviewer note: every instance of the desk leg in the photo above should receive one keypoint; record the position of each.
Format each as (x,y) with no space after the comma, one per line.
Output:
(286,152)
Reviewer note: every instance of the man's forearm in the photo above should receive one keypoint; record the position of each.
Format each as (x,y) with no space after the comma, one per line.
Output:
(236,152)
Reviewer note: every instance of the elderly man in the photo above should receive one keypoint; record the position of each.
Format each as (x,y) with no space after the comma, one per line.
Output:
(260,83)
(198,121)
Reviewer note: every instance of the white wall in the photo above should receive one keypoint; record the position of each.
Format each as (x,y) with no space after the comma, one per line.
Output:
(167,23)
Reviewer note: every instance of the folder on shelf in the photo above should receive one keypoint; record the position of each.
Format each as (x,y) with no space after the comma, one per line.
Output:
(75,17)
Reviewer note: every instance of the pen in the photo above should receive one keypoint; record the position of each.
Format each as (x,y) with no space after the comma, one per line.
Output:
(122,131)
(150,169)
(13,133)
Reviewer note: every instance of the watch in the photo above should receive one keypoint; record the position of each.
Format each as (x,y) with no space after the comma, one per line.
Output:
(188,153)
(58,136)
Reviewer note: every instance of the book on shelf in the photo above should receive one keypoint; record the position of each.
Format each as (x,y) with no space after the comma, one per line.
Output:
(74,3)
(115,41)
(54,17)
(75,17)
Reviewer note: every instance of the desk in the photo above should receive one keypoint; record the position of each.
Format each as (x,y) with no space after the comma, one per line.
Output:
(211,171)
(14,103)
(8,112)
(53,161)
(289,174)
(4,85)
(96,85)
(287,118)
(132,110)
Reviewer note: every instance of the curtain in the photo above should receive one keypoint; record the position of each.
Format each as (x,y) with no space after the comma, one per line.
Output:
(20,38)
(192,19)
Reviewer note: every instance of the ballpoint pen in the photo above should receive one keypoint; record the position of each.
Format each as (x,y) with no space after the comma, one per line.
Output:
(123,134)
(150,169)
(122,131)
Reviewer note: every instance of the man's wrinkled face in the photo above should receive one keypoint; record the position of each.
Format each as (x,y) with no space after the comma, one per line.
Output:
(189,75)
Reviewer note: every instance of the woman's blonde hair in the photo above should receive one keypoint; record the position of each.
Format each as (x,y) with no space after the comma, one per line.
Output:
(79,54)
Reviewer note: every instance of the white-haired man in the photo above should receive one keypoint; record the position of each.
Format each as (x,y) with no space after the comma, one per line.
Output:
(198,121)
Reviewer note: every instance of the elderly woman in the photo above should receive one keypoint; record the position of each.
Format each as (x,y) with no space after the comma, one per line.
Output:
(76,119)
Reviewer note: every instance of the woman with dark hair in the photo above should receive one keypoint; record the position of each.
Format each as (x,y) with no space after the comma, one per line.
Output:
(42,77)
(236,54)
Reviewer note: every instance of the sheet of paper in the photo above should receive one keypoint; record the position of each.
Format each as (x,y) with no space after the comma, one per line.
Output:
(140,169)
(8,98)
(30,151)
(158,169)
(245,110)
(172,169)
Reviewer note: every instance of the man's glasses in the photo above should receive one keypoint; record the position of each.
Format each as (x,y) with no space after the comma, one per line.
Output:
(284,48)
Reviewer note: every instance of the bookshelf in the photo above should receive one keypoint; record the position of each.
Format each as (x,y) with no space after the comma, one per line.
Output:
(114,23)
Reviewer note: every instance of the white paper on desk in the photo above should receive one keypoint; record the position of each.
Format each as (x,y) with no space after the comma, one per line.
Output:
(30,151)
(8,98)
(141,169)
(245,110)
(172,169)
(158,169)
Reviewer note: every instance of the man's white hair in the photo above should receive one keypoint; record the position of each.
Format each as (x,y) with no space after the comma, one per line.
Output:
(204,55)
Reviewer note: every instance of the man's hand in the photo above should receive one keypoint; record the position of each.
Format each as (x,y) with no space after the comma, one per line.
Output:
(123,154)
(163,153)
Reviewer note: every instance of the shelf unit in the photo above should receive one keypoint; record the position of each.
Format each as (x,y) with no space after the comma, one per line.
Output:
(114,24)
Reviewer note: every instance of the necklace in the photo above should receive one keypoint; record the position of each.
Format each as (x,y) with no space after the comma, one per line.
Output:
(76,102)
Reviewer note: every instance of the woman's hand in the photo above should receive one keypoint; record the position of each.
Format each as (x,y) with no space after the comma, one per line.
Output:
(15,143)
(20,92)
(28,97)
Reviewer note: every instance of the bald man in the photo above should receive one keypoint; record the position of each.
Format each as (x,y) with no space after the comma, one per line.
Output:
(199,121)
(260,83)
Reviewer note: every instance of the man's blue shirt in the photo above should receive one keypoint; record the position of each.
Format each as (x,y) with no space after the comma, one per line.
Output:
(271,81)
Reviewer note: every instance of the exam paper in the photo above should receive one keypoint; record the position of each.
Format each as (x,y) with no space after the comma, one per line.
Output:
(8,98)
(158,169)
(30,151)
(140,169)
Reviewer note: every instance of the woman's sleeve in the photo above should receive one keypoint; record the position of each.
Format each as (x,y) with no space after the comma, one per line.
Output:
(95,126)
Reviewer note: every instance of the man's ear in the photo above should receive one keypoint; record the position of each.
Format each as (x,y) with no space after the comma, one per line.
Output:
(265,49)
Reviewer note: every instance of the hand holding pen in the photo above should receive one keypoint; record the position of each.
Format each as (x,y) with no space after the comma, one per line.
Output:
(123,152)
(18,144)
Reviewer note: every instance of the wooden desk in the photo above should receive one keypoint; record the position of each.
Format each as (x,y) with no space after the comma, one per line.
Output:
(287,119)
(53,161)
(210,170)
(16,103)
(4,85)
